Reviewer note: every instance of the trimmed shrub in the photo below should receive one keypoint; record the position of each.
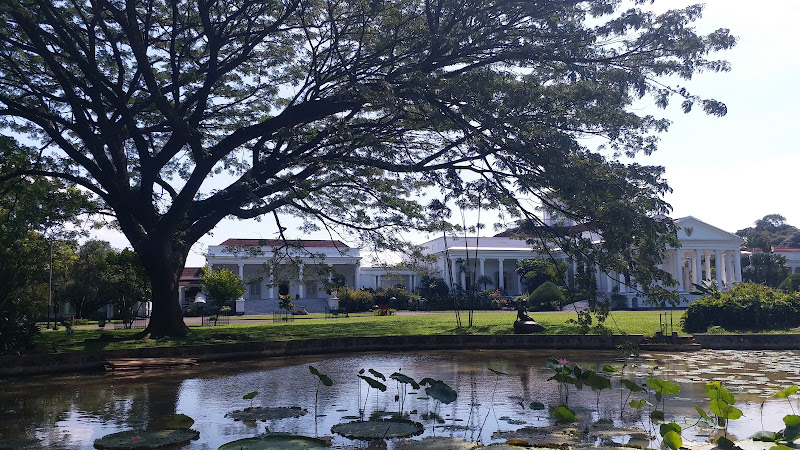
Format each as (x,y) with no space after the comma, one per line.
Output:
(354,300)
(748,306)
(790,283)
(546,297)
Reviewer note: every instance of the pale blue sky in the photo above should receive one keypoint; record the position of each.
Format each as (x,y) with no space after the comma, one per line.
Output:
(727,171)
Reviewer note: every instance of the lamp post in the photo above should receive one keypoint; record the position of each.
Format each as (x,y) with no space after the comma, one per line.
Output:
(50,287)
(55,306)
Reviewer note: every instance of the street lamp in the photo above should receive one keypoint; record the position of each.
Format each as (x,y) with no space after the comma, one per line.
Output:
(55,306)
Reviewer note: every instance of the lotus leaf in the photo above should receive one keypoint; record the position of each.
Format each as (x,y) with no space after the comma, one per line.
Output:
(633,387)
(672,440)
(373,383)
(179,422)
(405,379)
(276,442)
(564,414)
(663,387)
(250,396)
(133,439)
(377,374)
(536,405)
(436,443)
(266,413)
(439,390)
(324,379)
(378,429)
(784,393)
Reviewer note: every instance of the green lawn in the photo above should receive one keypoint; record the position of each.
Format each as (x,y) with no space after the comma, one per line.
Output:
(83,338)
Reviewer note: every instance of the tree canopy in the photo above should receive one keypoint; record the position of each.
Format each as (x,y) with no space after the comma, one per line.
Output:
(770,231)
(178,114)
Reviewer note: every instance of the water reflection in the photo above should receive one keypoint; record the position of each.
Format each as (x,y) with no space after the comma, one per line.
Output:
(73,411)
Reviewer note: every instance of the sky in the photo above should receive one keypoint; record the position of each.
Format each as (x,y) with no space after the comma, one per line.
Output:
(727,171)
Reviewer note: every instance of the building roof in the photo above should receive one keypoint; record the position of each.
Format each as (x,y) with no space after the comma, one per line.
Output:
(191,272)
(305,243)
(785,250)
(518,232)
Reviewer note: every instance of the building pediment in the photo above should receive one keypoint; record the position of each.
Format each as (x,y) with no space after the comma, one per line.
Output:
(693,229)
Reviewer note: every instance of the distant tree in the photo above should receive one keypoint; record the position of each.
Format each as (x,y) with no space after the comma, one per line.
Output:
(86,285)
(127,281)
(179,114)
(485,281)
(792,241)
(34,212)
(768,232)
(764,268)
(222,285)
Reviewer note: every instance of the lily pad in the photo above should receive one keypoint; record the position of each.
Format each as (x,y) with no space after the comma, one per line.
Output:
(378,429)
(436,443)
(134,439)
(276,442)
(266,413)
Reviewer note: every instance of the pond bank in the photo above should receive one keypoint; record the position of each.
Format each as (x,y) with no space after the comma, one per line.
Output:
(64,362)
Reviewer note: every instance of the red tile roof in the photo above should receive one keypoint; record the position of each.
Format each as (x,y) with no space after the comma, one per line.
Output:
(786,250)
(191,272)
(305,243)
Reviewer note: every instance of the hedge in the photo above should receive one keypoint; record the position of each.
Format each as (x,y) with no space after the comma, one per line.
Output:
(748,306)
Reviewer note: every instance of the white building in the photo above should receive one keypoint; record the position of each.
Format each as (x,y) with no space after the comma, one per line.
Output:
(497,258)
(269,267)
(792,256)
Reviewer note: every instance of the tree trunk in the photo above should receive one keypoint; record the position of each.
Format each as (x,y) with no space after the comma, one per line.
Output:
(164,265)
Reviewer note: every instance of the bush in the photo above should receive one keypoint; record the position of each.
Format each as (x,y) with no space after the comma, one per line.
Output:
(401,297)
(748,306)
(354,301)
(547,297)
(790,283)
(17,326)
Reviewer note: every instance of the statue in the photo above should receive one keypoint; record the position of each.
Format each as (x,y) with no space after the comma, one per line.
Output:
(525,323)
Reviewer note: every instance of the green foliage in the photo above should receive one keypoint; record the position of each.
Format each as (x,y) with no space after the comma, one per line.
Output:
(435,291)
(534,272)
(670,434)
(564,414)
(34,215)
(222,285)
(747,306)
(547,296)
(373,383)
(351,300)
(790,284)
(764,268)
(722,401)
(401,296)
(134,439)
(769,231)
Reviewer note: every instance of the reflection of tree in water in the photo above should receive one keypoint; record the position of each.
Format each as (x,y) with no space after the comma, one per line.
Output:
(49,412)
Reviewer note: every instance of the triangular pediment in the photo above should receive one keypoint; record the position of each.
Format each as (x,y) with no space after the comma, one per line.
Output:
(693,229)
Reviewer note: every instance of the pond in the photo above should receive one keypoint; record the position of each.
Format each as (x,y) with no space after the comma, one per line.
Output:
(498,397)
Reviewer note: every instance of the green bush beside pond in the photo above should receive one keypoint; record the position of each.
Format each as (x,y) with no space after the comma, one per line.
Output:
(748,306)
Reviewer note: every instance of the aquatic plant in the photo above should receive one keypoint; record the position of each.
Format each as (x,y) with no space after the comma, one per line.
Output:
(661,388)
(497,374)
(136,439)
(378,429)
(373,383)
(404,381)
(276,442)
(250,397)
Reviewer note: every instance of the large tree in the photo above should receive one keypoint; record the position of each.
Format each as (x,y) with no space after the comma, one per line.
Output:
(179,113)
(769,231)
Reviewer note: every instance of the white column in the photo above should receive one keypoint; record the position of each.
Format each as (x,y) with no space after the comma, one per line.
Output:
(301,289)
(698,267)
(679,269)
(516,278)
(271,293)
(718,266)
(357,278)
(453,273)
(241,271)
(708,265)
(737,263)
(729,270)
(481,267)
(182,294)
(501,284)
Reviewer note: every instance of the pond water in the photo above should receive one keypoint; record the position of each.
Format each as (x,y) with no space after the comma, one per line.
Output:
(72,411)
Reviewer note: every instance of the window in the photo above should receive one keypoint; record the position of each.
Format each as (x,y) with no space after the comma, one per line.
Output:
(255,289)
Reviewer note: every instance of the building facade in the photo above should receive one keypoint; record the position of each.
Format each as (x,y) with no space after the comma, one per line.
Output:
(301,268)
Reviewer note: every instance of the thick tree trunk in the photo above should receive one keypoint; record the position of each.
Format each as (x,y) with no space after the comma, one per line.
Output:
(164,264)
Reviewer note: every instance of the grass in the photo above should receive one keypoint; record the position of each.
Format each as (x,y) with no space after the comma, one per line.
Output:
(494,322)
